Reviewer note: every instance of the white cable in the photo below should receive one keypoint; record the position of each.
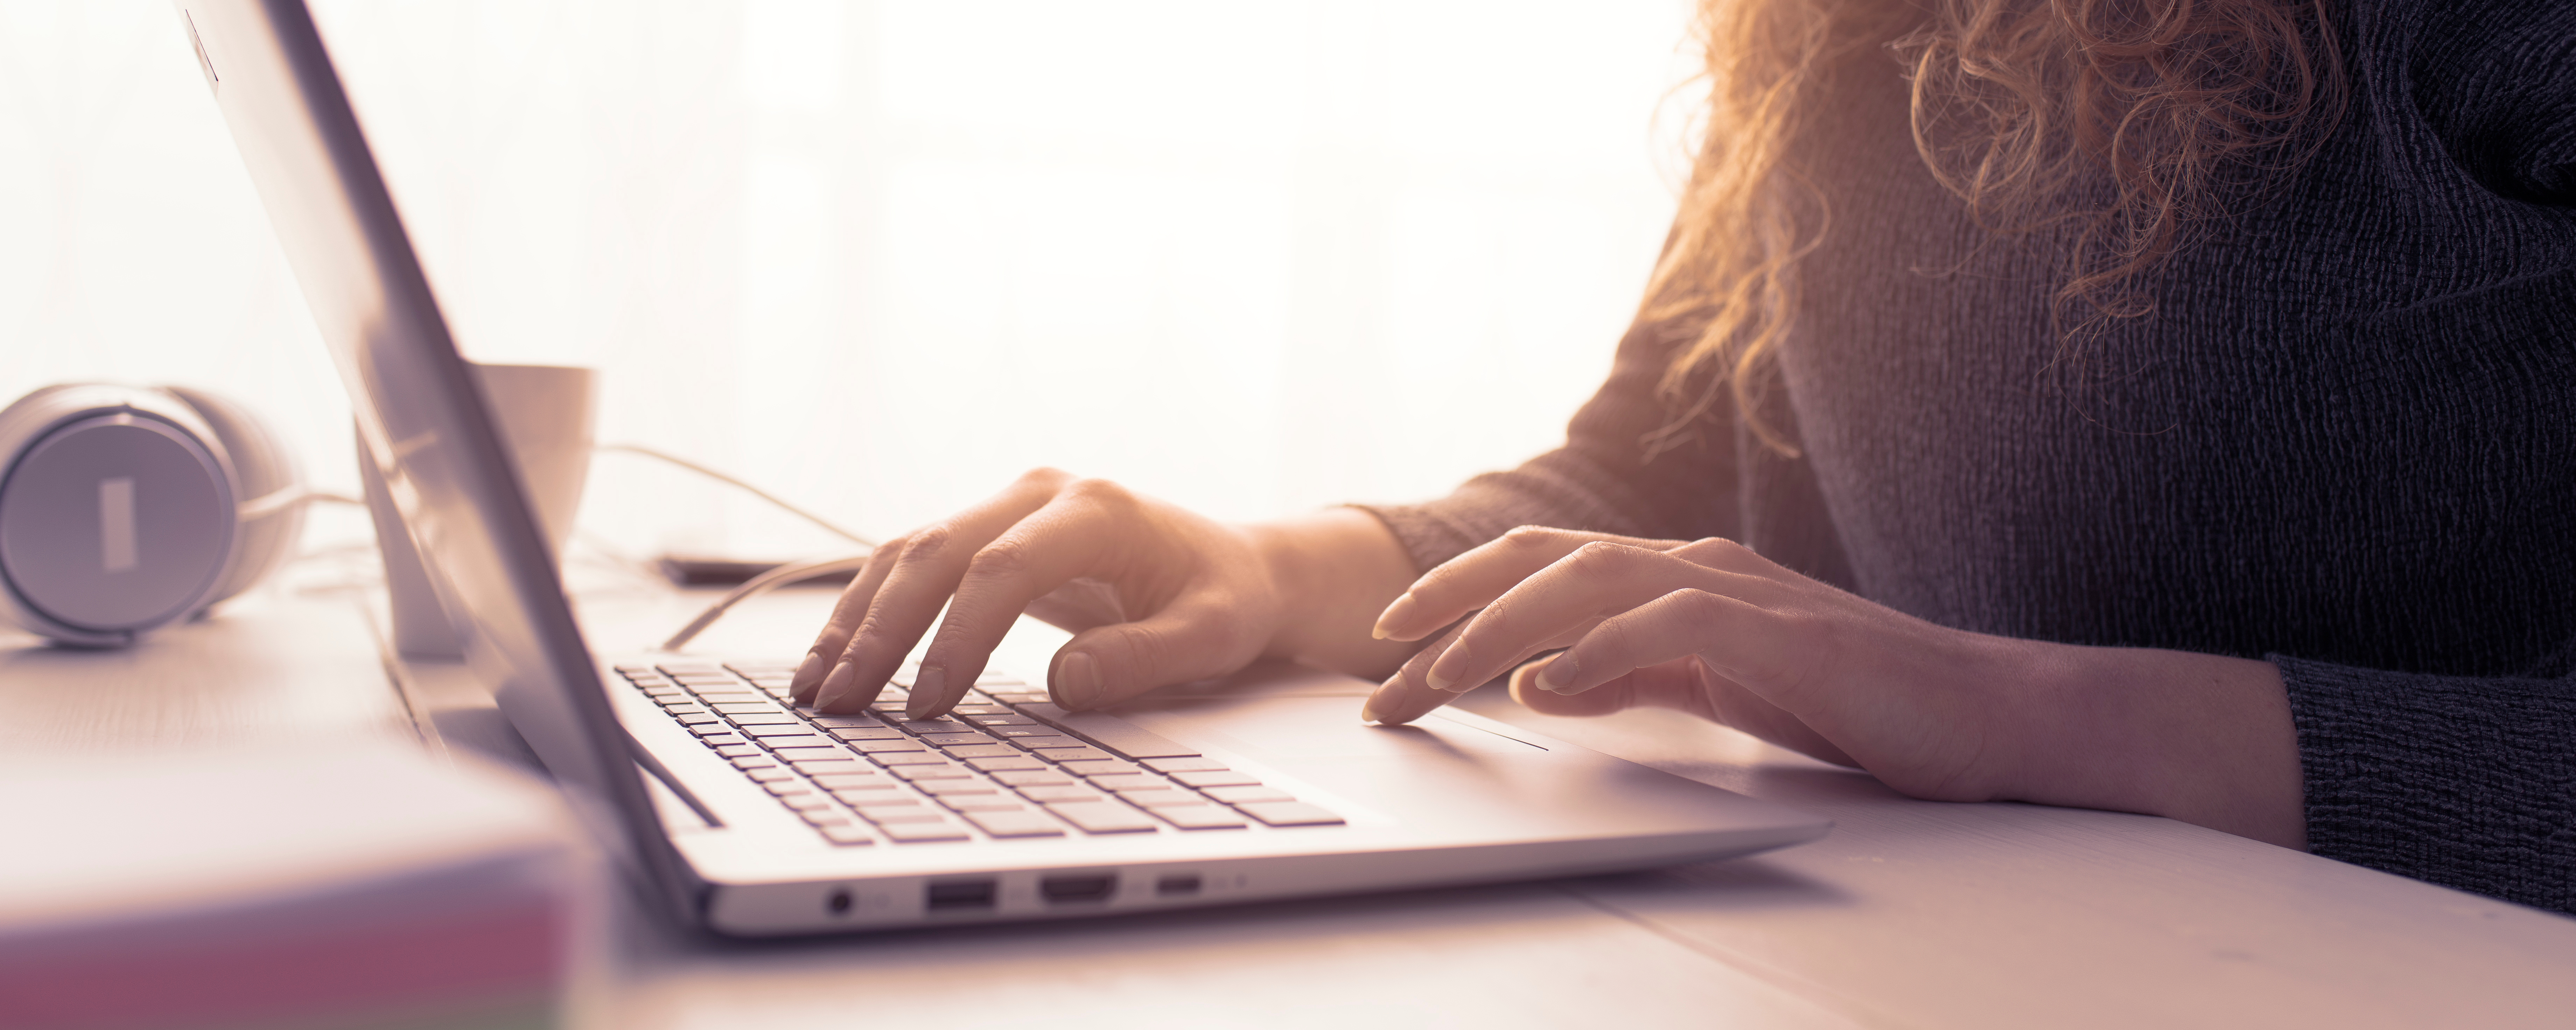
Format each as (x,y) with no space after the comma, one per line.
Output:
(761,584)
(720,477)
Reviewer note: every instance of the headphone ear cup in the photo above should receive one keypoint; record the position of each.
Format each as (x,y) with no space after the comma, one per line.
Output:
(261,470)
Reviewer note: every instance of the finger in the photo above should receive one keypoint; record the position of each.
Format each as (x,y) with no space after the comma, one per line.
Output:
(1472,580)
(1404,696)
(1734,637)
(846,613)
(1595,582)
(1199,635)
(919,578)
(1051,547)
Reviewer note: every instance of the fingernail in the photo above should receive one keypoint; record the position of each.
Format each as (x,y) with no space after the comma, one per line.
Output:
(1369,709)
(835,685)
(1077,680)
(1433,679)
(925,692)
(806,673)
(1558,675)
(1395,614)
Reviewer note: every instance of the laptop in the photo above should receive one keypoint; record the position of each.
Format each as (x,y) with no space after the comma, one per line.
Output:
(749,816)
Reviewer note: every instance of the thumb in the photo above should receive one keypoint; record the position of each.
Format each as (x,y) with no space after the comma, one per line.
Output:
(1196,637)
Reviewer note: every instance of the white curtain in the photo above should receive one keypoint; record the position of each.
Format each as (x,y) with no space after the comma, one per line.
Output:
(882,255)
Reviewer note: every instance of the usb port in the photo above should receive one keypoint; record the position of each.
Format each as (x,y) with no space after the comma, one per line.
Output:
(958,894)
(1178,885)
(1089,887)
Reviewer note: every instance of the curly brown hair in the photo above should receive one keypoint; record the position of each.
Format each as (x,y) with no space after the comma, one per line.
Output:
(2024,109)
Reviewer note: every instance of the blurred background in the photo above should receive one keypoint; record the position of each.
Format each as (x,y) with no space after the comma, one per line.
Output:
(881,255)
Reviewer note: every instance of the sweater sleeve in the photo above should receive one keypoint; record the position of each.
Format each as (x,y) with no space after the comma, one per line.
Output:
(1603,478)
(2465,782)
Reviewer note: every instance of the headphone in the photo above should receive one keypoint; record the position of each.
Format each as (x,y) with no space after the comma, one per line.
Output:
(123,509)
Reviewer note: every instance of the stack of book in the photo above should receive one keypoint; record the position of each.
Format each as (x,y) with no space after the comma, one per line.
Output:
(298,886)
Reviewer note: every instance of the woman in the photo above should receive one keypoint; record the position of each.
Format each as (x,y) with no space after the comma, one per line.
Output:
(2156,405)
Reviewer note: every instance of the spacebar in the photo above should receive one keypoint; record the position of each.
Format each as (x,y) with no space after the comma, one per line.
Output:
(1110,732)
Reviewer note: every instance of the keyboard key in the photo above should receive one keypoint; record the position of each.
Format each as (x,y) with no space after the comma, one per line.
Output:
(983,803)
(965,710)
(876,795)
(1125,782)
(1104,817)
(1033,736)
(930,726)
(891,815)
(1161,798)
(839,780)
(850,836)
(1241,795)
(1289,813)
(768,774)
(738,750)
(890,806)
(1034,778)
(848,721)
(1111,732)
(741,707)
(982,751)
(768,718)
(1014,762)
(1071,754)
(1173,765)
(700,719)
(783,788)
(943,788)
(1217,778)
(884,746)
(813,767)
(931,771)
(901,758)
(722,740)
(1200,817)
(1061,795)
(1101,767)
(923,833)
(809,802)
(867,733)
(989,723)
(955,739)
(799,754)
(754,760)
(793,729)
(828,817)
(1023,823)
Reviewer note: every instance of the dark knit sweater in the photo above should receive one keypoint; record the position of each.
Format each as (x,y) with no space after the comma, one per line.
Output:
(2346,441)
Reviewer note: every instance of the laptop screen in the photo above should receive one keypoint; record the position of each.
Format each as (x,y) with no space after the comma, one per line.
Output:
(422,420)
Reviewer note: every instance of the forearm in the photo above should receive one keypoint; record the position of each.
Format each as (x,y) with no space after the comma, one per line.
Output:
(1335,570)
(2204,739)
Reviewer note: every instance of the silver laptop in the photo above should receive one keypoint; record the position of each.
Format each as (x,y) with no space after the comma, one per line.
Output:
(750,816)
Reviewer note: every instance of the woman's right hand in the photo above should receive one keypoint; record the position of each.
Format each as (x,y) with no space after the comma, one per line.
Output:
(1154,595)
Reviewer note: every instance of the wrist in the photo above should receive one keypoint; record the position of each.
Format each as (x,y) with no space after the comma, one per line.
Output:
(2204,739)
(1332,572)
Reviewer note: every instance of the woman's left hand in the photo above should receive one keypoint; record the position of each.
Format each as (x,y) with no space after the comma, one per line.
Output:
(1711,628)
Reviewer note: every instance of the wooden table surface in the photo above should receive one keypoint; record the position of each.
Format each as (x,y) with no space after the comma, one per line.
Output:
(1909,914)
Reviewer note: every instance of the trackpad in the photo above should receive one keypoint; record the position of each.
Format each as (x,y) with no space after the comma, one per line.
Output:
(1318,727)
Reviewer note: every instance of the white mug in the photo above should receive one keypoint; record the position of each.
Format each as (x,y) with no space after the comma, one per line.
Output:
(544,414)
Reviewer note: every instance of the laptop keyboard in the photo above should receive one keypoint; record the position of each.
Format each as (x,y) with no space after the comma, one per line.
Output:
(1004,764)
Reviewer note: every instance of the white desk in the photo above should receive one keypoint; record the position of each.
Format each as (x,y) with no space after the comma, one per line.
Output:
(1910,914)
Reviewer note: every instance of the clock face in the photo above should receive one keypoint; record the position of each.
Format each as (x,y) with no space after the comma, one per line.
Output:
(115,522)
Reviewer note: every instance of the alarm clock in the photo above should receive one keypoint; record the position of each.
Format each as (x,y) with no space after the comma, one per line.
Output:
(123,509)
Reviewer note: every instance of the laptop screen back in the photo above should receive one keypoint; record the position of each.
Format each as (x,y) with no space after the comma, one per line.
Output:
(422,419)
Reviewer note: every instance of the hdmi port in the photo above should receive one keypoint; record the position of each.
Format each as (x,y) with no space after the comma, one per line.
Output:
(1067,889)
